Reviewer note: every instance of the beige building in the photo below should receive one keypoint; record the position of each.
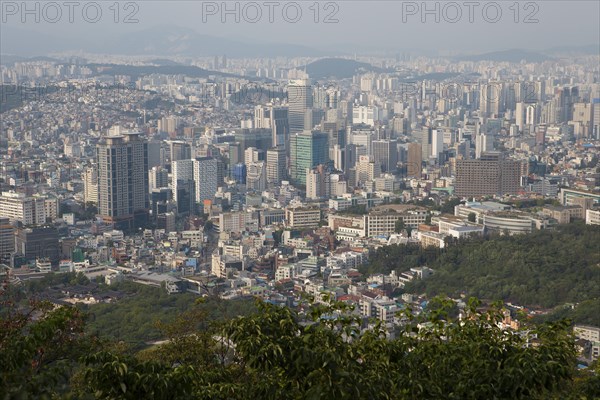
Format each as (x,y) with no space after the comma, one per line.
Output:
(302,217)
(27,210)
(90,185)
(592,217)
(367,170)
(318,183)
(238,221)
(564,214)
(382,219)
(432,239)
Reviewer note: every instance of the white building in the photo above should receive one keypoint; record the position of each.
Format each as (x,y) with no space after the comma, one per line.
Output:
(27,210)
(367,115)
(592,217)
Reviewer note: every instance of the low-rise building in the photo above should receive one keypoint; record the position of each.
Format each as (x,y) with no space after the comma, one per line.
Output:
(592,217)
(303,217)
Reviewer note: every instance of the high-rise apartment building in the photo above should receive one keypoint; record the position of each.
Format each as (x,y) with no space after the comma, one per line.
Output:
(90,185)
(491,175)
(123,198)
(205,177)
(307,150)
(484,143)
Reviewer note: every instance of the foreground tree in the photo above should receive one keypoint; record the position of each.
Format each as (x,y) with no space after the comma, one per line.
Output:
(39,349)
(322,351)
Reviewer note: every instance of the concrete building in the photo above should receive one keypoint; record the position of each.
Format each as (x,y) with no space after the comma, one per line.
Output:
(382,220)
(222,264)
(318,182)
(569,197)
(205,178)
(307,150)
(21,208)
(489,176)
(238,221)
(564,214)
(90,185)
(7,240)
(123,189)
(302,217)
(38,243)
(386,153)
(592,217)
(300,100)
(367,169)
(180,150)
(158,177)
(256,176)
(276,165)
(415,160)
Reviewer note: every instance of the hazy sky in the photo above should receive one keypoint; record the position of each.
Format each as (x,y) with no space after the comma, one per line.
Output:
(464,26)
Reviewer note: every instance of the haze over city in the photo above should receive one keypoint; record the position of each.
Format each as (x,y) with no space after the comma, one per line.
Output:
(342,27)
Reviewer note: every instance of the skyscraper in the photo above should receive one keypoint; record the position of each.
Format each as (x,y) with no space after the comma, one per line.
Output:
(318,182)
(483,143)
(415,160)
(256,176)
(280,126)
(7,239)
(205,178)
(436,143)
(300,100)
(180,150)
(386,153)
(183,186)
(123,180)
(276,165)
(596,118)
(307,150)
(239,173)
(158,178)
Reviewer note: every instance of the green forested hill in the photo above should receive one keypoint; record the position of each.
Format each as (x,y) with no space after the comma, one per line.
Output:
(545,268)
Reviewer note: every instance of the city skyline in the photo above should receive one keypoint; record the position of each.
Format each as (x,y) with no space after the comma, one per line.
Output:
(367,180)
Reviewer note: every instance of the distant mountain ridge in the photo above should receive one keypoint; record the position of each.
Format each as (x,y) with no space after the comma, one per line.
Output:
(159,41)
(340,68)
(512,55)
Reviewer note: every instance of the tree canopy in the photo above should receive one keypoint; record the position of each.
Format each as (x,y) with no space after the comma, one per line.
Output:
(318,351)
(546,268)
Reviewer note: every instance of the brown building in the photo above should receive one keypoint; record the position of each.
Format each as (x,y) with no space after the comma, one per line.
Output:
(7,239)
(414,160)
(489,176)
